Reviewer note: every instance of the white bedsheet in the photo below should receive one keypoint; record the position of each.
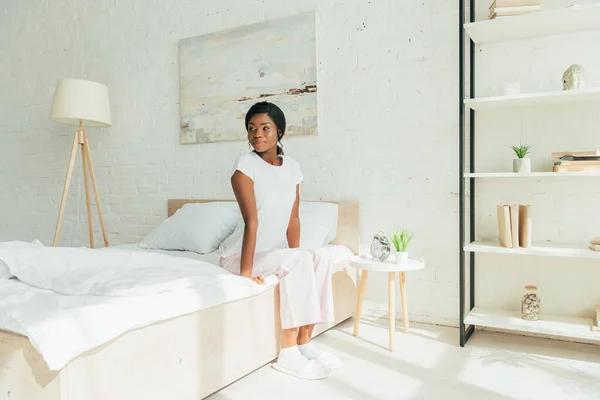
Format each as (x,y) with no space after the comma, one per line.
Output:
(70,300)
(61,327)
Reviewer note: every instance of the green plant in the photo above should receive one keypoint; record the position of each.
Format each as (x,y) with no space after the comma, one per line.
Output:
(401,239)
(521,151)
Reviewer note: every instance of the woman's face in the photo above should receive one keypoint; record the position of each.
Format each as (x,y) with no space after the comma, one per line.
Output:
(262,133)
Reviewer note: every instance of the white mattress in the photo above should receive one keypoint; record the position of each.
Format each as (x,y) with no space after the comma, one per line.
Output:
(61,326)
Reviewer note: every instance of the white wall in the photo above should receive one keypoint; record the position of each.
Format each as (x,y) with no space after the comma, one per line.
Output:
(388,119)
(565,211)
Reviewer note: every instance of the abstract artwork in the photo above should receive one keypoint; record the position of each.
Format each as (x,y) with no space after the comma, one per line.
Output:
(222,74)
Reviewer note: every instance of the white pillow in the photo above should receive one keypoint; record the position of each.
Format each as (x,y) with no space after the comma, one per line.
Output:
(318,224)
(197,227)
(4,270)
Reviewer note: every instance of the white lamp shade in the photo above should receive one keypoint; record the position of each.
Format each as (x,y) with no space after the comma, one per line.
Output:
(77,100)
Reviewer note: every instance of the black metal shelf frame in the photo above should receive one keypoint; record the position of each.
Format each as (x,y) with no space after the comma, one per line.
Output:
(466,332)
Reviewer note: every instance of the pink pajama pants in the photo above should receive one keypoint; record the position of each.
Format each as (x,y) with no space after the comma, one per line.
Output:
(305,291)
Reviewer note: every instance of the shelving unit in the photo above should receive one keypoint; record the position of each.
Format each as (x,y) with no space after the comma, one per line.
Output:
(548,250)
(542,23)
(534,99)
(514,175)
(548,325)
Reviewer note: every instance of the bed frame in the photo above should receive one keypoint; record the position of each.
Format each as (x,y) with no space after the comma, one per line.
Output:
(184,358)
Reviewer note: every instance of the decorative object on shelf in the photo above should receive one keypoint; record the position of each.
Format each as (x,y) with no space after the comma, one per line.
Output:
(577,161)
(504,231)
(380,247)
(401,240)
(514,225)
(510,8)
(524,225)
(595,244)
(596,319)
(574,77)
(530,304)
(521,164)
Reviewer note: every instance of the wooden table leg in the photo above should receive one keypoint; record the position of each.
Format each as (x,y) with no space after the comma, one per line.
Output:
(392,307)
(361,292)
(404,302)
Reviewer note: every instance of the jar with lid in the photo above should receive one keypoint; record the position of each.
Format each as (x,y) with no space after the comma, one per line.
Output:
(530,304)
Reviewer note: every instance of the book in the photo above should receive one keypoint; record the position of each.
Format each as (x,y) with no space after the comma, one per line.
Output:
(575,168)
(514,225)
(578,162)
(586,153)
(524,225)
(498,12)
(504,229)
(514,10)
(574,158)
(514,3)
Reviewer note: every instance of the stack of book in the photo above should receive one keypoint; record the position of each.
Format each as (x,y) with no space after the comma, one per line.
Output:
(577,161)
(595,244)
(511,8)
(514,225)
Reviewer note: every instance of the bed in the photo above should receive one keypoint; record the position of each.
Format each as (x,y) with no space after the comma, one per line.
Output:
(186,357)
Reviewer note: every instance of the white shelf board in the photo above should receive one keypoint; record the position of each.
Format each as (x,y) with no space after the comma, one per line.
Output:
(531,174)
(548,325)
(534,99)
(536,24)
(549,250)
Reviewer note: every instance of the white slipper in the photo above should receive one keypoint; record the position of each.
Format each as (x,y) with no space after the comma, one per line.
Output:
(311,370)
(330,361)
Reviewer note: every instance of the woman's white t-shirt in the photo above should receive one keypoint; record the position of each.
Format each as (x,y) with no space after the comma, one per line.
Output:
(275,193)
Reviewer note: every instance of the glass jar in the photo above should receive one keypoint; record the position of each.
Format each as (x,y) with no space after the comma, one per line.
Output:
(530,304)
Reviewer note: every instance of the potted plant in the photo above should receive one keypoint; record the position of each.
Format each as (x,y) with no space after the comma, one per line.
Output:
(521,164)
(401,240)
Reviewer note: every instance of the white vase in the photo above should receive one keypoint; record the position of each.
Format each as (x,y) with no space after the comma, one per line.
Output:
(522,165)
(402,258)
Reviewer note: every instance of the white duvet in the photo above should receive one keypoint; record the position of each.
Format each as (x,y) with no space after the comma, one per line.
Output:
(70,300)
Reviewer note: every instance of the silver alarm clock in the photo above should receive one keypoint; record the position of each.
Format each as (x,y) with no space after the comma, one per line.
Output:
(380,247)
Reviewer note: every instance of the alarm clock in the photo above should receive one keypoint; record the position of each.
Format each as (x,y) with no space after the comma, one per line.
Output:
(380,247)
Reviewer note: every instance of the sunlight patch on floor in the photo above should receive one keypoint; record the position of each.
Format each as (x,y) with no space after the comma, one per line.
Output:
(429,364)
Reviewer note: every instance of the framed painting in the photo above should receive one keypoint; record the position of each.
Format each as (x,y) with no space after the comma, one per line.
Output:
(223,73)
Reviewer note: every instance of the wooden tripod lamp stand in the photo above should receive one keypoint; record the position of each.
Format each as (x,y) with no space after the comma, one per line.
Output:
(81,103)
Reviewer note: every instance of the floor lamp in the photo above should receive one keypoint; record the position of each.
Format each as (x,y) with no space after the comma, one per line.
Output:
(81,103)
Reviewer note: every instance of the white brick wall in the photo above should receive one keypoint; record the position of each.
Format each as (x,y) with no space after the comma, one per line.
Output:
(387,78)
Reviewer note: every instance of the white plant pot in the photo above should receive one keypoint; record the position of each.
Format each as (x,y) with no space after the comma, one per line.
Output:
(402,258)
(522,165)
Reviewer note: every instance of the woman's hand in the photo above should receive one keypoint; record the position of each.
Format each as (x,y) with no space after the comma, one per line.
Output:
(258,279)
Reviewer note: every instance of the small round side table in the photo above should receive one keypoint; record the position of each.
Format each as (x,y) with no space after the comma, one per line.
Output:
(366,264)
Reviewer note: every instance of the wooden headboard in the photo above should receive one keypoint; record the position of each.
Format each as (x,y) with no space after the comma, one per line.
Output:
(348,230)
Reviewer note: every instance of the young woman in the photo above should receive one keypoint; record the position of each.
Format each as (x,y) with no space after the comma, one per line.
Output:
(266,186)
